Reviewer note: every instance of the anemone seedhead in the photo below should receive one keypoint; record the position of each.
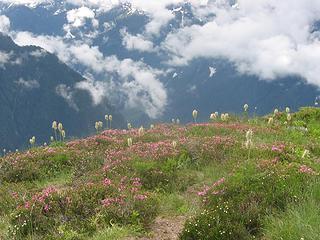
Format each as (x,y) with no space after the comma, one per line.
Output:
(32,140)
(110,117)
(213,116)
(98,125)
(249,135)
(195,114)
(52,139)
(276,111)
(60,127)
(129,126)
(54,125)
(289,117)
(129,140)
(151,126)
(287,110)
(245,107)
(63,134)
(178,121)
(225,117)
(174,144)
(141,131)
(270,120)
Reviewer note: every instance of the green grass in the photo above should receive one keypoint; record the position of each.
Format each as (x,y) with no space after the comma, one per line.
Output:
(116,233)
(298,222)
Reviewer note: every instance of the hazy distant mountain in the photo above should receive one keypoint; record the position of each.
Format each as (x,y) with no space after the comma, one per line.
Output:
(35,89)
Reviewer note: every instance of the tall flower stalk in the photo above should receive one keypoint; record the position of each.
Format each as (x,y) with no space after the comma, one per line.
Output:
(245,112)
(110,121)
(55,127)
(195,115)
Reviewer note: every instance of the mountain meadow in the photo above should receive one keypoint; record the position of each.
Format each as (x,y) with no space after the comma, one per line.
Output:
(233,177)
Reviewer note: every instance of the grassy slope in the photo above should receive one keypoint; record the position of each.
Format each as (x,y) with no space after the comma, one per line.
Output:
(99,188)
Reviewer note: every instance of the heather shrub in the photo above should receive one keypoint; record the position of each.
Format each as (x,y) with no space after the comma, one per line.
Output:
(83,209)
(30,167)
(235,208)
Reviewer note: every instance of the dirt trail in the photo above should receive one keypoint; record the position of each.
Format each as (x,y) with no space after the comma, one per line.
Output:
(165,228)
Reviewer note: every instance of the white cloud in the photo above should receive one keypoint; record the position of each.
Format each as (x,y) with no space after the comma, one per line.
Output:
(77,17)
(66,93)
(4,58)
(28,84)
(7,58)
(4,24)
(38,53)
(265,37)
(30,3)
(137,42)
(136,81)
(96,89)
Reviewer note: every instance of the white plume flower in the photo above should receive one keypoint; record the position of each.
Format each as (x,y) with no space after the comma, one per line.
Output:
(129,140)
(195,115)
(60,127)
(174,144)
(287,110)
(249,135)
(245,107)
(54,125)
(289,117)
(141,131)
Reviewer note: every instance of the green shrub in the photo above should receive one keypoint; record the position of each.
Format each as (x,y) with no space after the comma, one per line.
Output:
(236,208)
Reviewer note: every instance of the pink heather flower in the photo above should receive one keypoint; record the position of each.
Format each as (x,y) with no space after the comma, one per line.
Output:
(106,182)
(27,205)
(307,170)
(219,182)
(140,197)
(106,168)
(50,150)
(134,189)
(136,182)
(46,207)
(107,202)
(204,191)
(15,195)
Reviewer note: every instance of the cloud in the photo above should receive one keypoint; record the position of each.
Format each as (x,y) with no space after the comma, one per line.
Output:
(8,58)
(39,53)
(136,82)
(136,42)
(264,38)
(66,92)
(96,89)
(4,58)
(28,84)
(4,24)
(30,3)
(77,17)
